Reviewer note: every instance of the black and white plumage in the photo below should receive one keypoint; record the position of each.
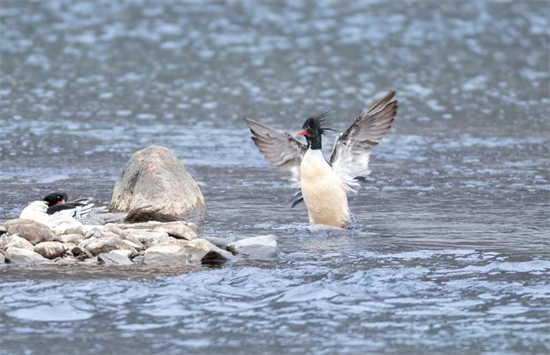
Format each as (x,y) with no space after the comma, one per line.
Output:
(324,184)
(352,148)
(54,210)
(82,210)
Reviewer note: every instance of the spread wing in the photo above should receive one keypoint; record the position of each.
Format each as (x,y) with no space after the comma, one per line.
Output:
(351,151)
(278,147)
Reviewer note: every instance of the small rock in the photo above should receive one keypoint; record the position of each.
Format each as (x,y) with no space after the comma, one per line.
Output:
(84,244)
(134,242)
(201,250)
(3,230)
(264,246)
(50,250)
(5,239)
(166,254)
(155,186)
(32,231)
(114,229)
(113,259)
(144,225)
(24,256)
(69,238)
(68,226)
(105,245)
(68,248)
(138,260)
(81,253)
(2,258)
(146,237)
(94,233)
(179,230)
(15,241)
(217,241)
(167,240)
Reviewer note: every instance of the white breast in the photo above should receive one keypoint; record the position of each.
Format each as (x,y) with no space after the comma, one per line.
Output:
(324,193)
(36,211)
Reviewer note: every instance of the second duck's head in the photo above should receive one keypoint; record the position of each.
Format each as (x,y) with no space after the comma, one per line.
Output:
(313,129)
(56,197)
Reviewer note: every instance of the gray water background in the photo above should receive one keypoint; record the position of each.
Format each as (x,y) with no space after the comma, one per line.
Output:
(451,248)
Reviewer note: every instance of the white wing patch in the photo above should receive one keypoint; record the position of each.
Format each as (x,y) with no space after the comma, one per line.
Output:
(351,152)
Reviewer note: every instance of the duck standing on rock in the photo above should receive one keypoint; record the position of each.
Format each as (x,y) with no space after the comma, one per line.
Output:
(324,185)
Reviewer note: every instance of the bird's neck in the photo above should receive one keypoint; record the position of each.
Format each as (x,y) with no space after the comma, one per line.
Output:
(315,143)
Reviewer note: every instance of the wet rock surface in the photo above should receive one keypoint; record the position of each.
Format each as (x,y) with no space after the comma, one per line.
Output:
(165,254)
(220,242)
(206,252)
(264,246)
(113,259)
(155,186)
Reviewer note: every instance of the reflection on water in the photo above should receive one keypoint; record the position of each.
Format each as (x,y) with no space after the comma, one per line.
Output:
(451,246)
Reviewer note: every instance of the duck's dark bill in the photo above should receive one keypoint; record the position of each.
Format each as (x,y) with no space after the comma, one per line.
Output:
(303,133)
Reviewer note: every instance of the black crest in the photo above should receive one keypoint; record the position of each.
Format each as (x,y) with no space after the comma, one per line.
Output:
(318,122)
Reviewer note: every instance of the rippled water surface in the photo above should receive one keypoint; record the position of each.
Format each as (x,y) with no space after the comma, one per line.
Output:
(450,252)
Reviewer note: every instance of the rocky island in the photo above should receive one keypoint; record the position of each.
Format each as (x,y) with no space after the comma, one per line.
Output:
(164,207)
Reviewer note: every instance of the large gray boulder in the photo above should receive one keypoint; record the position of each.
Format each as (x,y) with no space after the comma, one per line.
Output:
(155,186)
(32,231)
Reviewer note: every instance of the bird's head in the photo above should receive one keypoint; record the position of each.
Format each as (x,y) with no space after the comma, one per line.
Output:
(313,129)
(56,197)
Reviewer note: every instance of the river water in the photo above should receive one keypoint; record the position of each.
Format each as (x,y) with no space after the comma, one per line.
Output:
(450,252)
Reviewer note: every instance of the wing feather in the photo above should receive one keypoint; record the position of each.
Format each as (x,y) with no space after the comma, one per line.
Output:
(352,149)
(78,208)
(278,147)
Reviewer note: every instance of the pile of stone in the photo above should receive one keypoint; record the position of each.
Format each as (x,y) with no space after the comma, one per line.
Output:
(154,186)
(152,243)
